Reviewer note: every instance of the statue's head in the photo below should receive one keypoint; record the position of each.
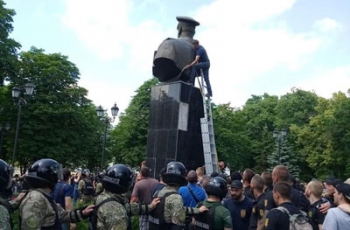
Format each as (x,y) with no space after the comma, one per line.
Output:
(186,26)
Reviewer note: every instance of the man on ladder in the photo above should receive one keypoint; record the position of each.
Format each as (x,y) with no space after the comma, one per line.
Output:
(200,62)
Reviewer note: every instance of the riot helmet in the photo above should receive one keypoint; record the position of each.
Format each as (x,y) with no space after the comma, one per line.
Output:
(216,186)
(6,172)
(85,172)
(175,174)
(117,179)
(44,173)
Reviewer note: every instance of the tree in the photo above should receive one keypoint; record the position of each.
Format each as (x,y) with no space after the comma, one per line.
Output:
(129,138)
(232,143)
(259,113)
(283,155)
(55,123)
(8,46)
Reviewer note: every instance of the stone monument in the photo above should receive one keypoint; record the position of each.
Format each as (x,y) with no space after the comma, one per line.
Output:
(174,132)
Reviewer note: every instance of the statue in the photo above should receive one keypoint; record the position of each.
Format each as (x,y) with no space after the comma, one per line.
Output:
(174,54)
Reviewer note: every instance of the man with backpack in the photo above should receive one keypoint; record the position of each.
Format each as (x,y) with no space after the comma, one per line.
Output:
(85,187)
(286,216)
(112,211)
(217,217)
(170,214)
(38,210)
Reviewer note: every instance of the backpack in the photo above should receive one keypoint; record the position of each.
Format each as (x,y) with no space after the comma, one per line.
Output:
(93,217)
(156,219)
(297,221)
(205,220)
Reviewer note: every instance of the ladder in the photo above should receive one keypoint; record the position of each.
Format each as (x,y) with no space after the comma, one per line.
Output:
(207,127)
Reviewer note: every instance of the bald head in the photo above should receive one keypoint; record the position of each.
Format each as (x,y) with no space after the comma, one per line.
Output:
(315,188)
(280,173)
(257,183)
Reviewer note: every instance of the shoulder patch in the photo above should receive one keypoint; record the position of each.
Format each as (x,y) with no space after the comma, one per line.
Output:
(266,222)
(32,222)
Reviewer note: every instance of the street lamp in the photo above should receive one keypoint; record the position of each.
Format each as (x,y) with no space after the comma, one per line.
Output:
(3,132)
(279,136)
(18,94)
(102,114)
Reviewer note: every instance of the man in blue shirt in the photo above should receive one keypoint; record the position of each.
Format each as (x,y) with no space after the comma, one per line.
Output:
(192,194)
(63,194)
(200,62)
(239,206)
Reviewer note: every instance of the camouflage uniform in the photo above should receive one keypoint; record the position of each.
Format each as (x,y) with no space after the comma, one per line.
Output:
(174,211)
(114,215)
(99,188)
(81,188)
(37,212)
(4,218)
(5,208)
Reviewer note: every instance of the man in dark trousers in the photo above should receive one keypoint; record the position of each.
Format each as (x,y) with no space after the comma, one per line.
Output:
(200,62)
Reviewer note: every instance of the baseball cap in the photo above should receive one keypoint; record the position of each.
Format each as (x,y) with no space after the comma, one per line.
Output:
(344,189)
(236,184)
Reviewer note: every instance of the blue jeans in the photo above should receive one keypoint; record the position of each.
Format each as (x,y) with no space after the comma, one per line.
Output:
(195,72)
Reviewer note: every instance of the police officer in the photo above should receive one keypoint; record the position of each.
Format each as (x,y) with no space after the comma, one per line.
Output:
(170,213)
(5,183)
(218,217)
(86,187)
(98,184)
(38,210)
(111,211)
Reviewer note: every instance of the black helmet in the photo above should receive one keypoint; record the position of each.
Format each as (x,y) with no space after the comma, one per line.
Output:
(44,173)
(85,172)
(216,186)
(5,175)
(117,179)
(175,174)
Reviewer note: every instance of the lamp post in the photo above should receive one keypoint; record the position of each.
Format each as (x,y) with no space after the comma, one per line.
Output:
(18,94)
(279,136)
(3,132)
(102,114)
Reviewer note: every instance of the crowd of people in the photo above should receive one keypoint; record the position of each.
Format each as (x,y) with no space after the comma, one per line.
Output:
(179,199)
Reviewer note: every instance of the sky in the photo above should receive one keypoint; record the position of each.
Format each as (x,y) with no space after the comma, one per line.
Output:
(254,46)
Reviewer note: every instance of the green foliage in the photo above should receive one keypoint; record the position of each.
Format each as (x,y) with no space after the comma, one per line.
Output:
(283,155)
(130,136)
(8,46)
(231,139)
(59,122)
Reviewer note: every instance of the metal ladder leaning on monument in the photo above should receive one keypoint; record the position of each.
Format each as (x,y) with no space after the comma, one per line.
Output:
(207,127)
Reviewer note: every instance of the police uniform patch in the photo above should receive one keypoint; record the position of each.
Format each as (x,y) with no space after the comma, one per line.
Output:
(243,212)
(266,222)
(265,203)
(261,212)
(32,222)
(253,210)
(310,213)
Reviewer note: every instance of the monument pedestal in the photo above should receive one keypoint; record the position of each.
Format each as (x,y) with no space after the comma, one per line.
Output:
(174,131)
